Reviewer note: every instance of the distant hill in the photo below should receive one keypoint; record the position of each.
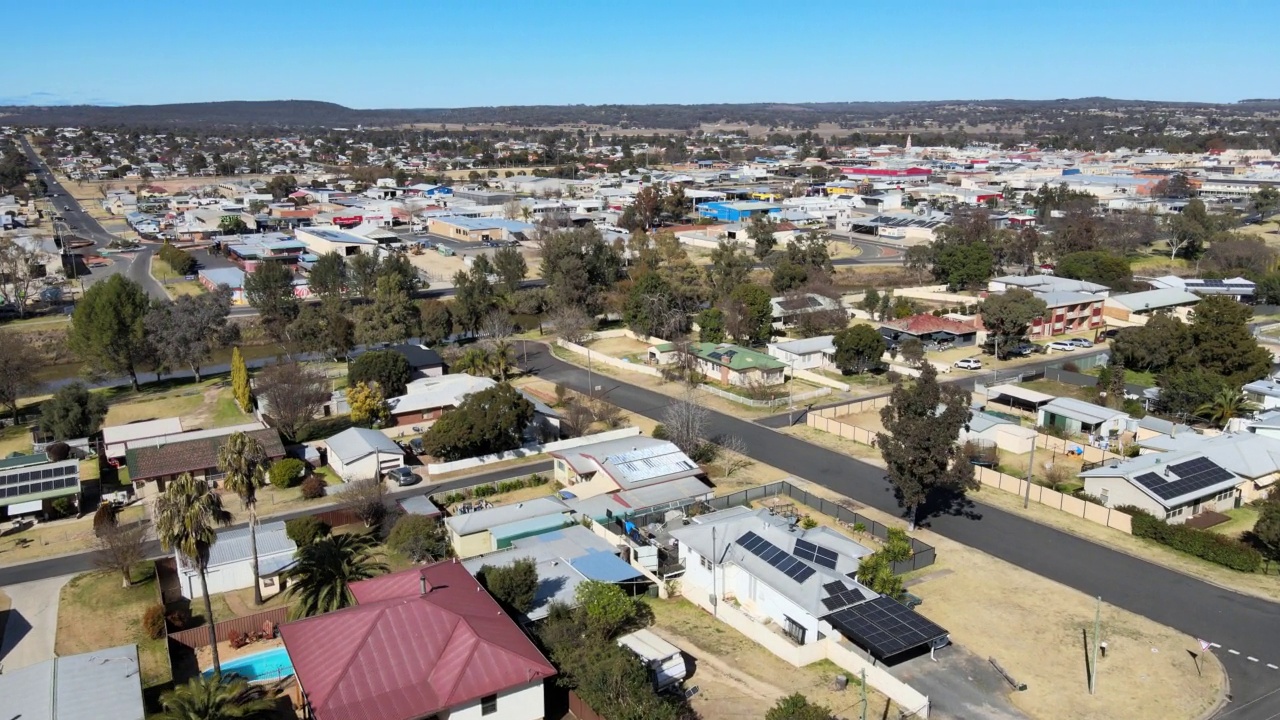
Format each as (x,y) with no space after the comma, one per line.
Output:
(308,113)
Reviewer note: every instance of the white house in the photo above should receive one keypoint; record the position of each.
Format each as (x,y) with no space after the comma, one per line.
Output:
(361,453)
(1173,486)
(807,354)
(1263,393)
(231,562)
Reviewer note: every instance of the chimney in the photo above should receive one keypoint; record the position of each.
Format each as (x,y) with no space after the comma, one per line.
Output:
(424,587)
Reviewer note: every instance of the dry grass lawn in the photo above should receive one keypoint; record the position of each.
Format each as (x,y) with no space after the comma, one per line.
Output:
(738,678)
(15,439)
(869,420)
(206,405)
(439,269)
(618,347)
(94,612)
(55,538)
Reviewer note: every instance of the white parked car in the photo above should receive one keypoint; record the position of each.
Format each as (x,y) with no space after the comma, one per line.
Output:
(969,364)
(1061,345)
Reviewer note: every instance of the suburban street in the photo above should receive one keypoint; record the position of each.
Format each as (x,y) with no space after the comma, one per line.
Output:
(1236,622)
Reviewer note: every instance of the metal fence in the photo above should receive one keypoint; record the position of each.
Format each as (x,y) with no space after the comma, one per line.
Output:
(198,637)
(923,554)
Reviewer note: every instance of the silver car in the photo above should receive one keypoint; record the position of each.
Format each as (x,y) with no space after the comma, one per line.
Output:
(403,476)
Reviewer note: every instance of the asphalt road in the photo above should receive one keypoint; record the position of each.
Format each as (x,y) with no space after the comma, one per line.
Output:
(83,561)
(1245,624)
(873,252)
(134,265)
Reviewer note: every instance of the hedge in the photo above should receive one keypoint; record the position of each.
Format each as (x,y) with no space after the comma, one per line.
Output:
(1203,544)
(180,260)
(287,472)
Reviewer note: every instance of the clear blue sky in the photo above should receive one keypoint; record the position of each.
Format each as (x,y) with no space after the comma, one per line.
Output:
(453,54)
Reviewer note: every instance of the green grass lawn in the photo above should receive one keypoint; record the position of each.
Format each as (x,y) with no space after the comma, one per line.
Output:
(174,283)
(1144,378)
(1061,389)
(15,439)
(95,612)
(1242,518)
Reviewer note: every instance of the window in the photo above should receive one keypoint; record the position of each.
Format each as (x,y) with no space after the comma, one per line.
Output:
(706,564)
(1175,512)
(488,704)
(794,630)
(1103,496)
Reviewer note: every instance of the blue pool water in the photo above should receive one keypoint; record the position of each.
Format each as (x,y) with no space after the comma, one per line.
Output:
(267,665)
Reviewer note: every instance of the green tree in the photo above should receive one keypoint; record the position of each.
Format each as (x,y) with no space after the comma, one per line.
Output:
(963,265)
(437,322)
(281,186)
(921,425)
(473,297)
(1268,289)
(391,317)
(1096,266)
(788,276)
(1007,315)
(1191,229)
(306,530)
(320,581)
(387,368)
(870,301)
(510,267)
(579,267)
(218,698)
(761,230)
(1266,199)
(244,461)
(486,422)
(186,516)
(191,329)
(362,275)
(650,307)
(1224,343)
(711,325)
(607,610)
(233,225)
(419,538)
(269,289)
(515,585)
(73,412)
(19,359)
(1157,346)
(1266,530)
(108,329)
(1226,406)
(324,328)
(858,349)
(730,265)
(749,314)
(797,707)
(810,251)
(328,276)
(240,381)
(1185,389)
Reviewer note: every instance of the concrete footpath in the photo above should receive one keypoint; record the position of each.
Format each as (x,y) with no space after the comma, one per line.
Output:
(32,623)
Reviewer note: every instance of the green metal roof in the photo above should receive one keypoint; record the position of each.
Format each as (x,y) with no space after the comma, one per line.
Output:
(14,461)
(735,357)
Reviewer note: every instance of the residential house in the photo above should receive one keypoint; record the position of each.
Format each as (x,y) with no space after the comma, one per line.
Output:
(489,529)
(565,558)
(103,684)
(725,363)
(1137,306)
(156,462)
(1252,457)
(623,464)
(929,329)
(426,642)
(426,399)
(1174,486)
(116,439)
(788,309)
(232,277)
(361,454)
(807,354)
(29,483)
(1264,393)
(423,361)
(231,562)
(803,582)
(1078,417)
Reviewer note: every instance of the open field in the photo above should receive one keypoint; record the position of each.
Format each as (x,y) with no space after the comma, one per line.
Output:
(208,404)
(94,612)
(619,347)
(738,678)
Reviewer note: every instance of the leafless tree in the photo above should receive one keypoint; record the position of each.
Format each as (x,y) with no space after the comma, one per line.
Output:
(295,395)
(367,499)
(571,323)
(608,414)
(577,414)
(511,209)
(22,268)
(119,548)
(733,456)
(685,421)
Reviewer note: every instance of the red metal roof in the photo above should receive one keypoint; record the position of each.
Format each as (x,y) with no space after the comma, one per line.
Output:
(925,324)
(400,654)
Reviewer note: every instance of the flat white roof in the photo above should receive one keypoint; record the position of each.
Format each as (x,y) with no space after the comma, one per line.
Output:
(139,430)
(1021,393)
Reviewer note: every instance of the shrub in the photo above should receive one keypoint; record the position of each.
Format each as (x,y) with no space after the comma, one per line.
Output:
(660,432)
(58,451)
(287,472)
(62,507)
(808,523)
(180,260)
(1203,544)
(418,538)
(313,487)
(305,530)
(1070,366)
(153,621)
(484,491)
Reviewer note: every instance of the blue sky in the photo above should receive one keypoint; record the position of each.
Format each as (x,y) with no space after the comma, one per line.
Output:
(416,53)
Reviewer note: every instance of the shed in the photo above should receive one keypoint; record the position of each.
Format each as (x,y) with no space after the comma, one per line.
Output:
(231,562)
(1078,416)
(361,453)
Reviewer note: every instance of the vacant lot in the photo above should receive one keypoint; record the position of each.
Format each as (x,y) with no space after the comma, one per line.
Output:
(174,284)
(869,420)
(619,347)
(94,612)
(54,538)
(738,678)
(205,405)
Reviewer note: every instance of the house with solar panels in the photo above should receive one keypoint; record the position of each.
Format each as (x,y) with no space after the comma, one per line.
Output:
(1175,486)
(28,483)
(802,582)
(1253,457)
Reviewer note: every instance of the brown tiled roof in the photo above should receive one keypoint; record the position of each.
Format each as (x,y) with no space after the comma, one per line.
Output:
(925,324)
(191,455)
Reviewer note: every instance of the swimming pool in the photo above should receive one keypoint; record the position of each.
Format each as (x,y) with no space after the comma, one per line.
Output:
(270,664)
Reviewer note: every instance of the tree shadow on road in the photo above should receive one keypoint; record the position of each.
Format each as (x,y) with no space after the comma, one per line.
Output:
(945,502)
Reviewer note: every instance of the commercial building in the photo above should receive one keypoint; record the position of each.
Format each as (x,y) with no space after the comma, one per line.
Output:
(326,240)
(741,211)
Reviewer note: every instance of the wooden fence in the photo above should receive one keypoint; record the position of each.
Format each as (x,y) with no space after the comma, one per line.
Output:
(580,709)
(198,637)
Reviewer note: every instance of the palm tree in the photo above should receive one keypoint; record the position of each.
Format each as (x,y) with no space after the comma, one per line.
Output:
(218,698)
(500,356)
(1227,405)
(321,579)
(474,360)
(244,461)
(186,516)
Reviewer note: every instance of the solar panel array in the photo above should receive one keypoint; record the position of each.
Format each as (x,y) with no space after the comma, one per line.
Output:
(786,563)
(650,462)
(30,480)
(885,626)
(806,550)
(1191,476)
(840,596)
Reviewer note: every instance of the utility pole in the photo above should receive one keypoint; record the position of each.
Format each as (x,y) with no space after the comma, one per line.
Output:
(715,596)
(1097,631)
(1031,469)
(864,694)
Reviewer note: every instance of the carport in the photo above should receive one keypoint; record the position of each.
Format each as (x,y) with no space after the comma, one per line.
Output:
(1018,398)
(886,628)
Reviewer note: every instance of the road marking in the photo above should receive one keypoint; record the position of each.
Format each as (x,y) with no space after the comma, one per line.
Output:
(1214,645)
(1251,659)
(1273,667)
(1234,652)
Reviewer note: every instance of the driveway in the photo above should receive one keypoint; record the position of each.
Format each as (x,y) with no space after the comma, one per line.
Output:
(32,624)
(960,686)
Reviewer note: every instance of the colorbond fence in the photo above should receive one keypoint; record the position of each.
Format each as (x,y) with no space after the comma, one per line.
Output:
(198,637)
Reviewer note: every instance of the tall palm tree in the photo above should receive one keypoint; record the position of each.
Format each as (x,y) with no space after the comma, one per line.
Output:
(475,360)
(218,698)
(244,460)
(320,580)
(1227,405)
(186,517)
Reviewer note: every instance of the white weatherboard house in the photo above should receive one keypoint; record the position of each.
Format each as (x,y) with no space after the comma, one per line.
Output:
(361,453)
(1174,486)
(806,354)
(803,582)
(231,562)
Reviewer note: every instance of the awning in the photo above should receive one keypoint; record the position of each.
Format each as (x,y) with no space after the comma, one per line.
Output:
(26,508)
(1019,393)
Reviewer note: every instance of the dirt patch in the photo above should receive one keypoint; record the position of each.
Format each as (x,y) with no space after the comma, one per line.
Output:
(869,421)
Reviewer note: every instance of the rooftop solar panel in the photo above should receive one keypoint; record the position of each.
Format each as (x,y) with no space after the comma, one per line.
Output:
(885,627)
(786,563)
(1184,478)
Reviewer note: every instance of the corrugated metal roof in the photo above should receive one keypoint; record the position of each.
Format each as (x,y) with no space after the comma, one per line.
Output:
(100,685)
(233,545)
(478,521)
(411,655)
(354,443)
